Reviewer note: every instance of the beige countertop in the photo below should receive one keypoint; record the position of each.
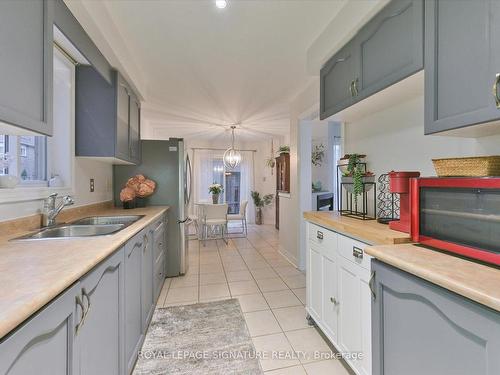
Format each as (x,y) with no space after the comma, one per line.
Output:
(475,281)
(32,273)
(369,231)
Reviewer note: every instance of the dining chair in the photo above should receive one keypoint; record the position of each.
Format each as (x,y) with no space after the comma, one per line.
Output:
(214,220)
(240,216)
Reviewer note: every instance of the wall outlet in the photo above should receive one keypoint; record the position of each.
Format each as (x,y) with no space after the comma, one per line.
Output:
(92,185)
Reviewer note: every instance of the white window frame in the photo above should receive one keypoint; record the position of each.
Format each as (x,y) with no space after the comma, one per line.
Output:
(24,192)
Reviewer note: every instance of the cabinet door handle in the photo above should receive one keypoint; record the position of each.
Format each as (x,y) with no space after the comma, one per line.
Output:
(371,285)
(334,301)
(495,90)
(138,244)
(351,89)
(85,295)
(146,240)
(319,235)
(80,323)
(357,252)
(355,86)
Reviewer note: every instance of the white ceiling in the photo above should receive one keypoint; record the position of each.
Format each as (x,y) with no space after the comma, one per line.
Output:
(205,68)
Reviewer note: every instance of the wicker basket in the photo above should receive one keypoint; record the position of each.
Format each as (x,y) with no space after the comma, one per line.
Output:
(479,166)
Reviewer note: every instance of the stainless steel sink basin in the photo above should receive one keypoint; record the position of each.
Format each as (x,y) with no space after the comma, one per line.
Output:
(87,227)
(99,220)
(72,231)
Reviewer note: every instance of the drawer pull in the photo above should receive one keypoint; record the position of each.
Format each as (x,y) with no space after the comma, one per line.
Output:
(357,252)
(371,285)
(495,90)
(319,235)
(334,301)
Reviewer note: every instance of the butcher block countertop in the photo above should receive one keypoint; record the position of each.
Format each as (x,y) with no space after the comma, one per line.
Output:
(32,273)
(369,231)
(475,281)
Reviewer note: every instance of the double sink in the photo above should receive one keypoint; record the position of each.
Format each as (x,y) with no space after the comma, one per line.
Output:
(87,227)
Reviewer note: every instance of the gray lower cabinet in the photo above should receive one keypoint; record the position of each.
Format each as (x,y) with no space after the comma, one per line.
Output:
(26,64)
(159,251)
(133,299)
(389,48)
(96,326)
(99,340)
(462,63)
(44,345)
(107,117)
(420,328)
(147,278)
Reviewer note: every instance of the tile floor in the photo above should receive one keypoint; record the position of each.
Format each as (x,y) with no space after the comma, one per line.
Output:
(271,292)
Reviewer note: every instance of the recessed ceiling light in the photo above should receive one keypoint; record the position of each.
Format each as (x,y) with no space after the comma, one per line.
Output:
(221,4)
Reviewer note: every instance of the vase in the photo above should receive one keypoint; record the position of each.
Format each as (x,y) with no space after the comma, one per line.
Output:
(258,216)
(140,202)
(129,204)
(215,198)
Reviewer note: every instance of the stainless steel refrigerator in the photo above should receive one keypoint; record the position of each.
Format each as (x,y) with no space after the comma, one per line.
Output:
(168,165)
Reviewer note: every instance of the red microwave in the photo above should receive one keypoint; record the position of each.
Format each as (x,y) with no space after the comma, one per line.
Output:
(457,214)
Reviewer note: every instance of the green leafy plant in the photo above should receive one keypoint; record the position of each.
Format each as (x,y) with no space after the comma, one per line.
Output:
(317,155)
(259,201)
(357,172)
(215,188)
(284,149)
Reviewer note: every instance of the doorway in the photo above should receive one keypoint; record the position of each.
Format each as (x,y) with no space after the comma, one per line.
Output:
(320,148)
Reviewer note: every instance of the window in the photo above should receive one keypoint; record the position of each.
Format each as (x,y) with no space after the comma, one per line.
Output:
(36,159)
(24,157)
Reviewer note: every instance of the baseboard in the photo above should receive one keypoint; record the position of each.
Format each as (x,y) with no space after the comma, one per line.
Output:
(289,257)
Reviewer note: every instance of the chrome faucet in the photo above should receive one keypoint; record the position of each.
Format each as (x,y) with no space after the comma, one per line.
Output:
(50,211)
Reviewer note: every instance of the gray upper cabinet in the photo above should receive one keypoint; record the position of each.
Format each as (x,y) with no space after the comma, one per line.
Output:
(462,61)
(100,340)
(386,50)
(44,345)
(390,47)
(336,82)
(26,64)
(135,129)
(107,117)
(420,328)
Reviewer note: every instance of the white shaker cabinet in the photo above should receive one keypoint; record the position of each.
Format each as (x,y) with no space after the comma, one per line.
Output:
(338,295)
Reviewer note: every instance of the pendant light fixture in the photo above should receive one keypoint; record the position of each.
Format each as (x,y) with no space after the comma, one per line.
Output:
(232,157)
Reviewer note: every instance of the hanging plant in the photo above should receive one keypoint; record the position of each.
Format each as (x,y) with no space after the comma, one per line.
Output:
(318,154)
(270,161)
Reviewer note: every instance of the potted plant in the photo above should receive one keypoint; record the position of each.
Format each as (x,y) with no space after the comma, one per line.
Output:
(215,189)
(259,203)
(284,149)
(354,175)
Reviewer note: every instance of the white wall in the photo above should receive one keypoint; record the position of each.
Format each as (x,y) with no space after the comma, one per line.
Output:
(290,213)
(393,139)
(265,181)
(84,170)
